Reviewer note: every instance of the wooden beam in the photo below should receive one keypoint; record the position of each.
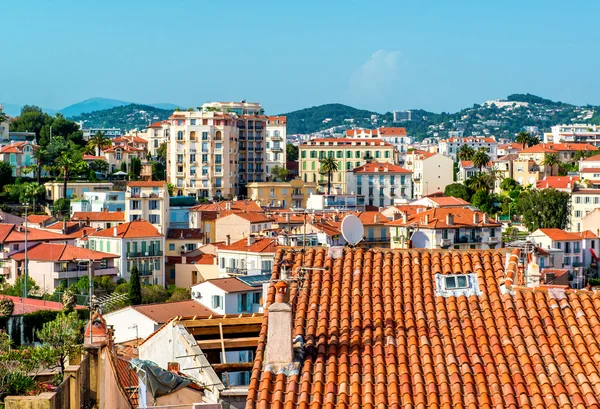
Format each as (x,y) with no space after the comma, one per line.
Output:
(250,342)
(238,329)
(223,321)
(233,367)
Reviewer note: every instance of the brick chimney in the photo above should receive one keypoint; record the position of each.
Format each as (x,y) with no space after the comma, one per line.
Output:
(426,219)
(376,219)
(450,219)
(279,334)
(251,240)
(228,240)
(475,218)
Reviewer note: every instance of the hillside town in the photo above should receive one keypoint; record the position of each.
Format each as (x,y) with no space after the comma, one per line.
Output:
(209,261)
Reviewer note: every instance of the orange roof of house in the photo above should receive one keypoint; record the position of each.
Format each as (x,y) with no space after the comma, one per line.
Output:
(383,131)
(16,147)
(185,234)
(38,218)
(559,147)
(557,182)
(378,334)
(230,285)
(587,234)
(235,206)
(476,139)
(9,233)
(376,167)
(104,216)
(163,312)
(463,217)
(29,305)
(130,230)
(350,141)
(449,201)
(259,245)
(511,145)
(93,157)
(590,170)
(372,218)
(159,124)
(425,154)
(60,252)
(281,118)
(594,158)
(147,183)
(561,235)
(252,217)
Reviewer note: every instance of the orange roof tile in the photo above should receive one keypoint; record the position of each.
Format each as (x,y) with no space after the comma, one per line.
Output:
(557,182)
(147,183)
(61,252)
(38,218)
(130,230)
(376,167)
(594,158)
(235,206)
(281,118)
(230,285)
(463,217)
(449,201)
(559,147)
(252,217)
(258,245)
(378,335)
(561,235)
(12,233)
(163,312)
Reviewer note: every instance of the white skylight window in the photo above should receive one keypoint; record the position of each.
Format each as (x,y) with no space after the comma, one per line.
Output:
(455,285)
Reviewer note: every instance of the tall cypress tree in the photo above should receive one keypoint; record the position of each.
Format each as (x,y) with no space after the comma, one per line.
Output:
(135,288)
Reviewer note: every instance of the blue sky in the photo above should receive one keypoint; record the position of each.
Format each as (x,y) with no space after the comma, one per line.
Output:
(379,55)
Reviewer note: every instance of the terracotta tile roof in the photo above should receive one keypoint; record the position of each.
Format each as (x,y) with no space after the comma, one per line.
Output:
(594,158)
(159,124)
(230,285)
(16,147)
(148,183)
(409,209)
(469,164)
(184,234)
(60,252)
(561,235)
(163,312)
(281,118)
(512,146)
(383,131)
(378,335)
(252,217)
(135,229)
(590,170)
(347,142)
(14,235)
(99,216)
(507,158)
(38,218)
(588,234)
(557,182)
(371,218)
(424,154)
(449,201)
(257,246)
(559,147)
(93,157)
(375,167)
(28,305)
(463,217)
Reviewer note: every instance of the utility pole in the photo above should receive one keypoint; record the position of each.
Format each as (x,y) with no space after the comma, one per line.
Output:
(26,267)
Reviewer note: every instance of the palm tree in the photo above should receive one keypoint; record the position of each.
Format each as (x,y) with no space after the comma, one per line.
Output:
(328,166)
(41,157)
(480,181)
(465,152)
(69,162)
(99,142)
(32,191)
(582,155)
(480,158)
(523,138)
(551,159)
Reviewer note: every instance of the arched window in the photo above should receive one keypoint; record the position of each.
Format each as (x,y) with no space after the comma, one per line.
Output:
(180,135)
(218,136)
(192,135)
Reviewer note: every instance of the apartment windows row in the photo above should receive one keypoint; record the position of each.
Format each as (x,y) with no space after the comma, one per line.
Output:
(587,199)
(567,246)
(391,180)
(339,154)
(137,204)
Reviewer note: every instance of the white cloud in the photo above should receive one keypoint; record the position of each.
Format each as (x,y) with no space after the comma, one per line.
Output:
(374,76)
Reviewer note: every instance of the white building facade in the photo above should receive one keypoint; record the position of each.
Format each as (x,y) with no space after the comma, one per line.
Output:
(382,184)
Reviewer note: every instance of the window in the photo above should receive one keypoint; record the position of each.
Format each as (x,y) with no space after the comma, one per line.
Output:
(243,304)
(578,199)
(154,219)
(387,154)
(444,234)
(193,157)
(205,136)
(339,154)
(171,246)
(377,154)
(180,136)
(135,205)
(192,122)
(256,298)
(216,301)
(303,154)
(455,282)
(567,261)
(154,205)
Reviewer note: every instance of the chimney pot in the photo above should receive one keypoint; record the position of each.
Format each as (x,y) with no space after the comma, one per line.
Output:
(450,219)
(115,231)
(173,366)
(475,218)
(279,336)
(426,220)
(228,240)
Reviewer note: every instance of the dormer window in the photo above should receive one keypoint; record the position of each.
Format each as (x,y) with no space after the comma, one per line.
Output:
(454,282)
(455,285)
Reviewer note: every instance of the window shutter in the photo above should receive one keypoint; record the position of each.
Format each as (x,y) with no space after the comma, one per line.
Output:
(240,303)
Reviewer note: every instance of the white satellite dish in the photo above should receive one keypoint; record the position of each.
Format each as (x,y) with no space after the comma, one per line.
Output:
(352,230)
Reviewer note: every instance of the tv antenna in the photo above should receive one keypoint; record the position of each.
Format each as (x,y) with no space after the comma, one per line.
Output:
(352,230)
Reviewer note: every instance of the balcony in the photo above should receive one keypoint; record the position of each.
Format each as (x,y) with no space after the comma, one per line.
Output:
(106,271)
(276,138)
(576,263)
(277,149)
(259,149)
(445,243)
(492,240)
(237,271)
(297,196)
(139,254)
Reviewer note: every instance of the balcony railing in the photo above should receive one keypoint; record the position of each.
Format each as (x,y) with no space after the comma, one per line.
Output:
(276,137)
(297,196)
(151,253)
(277,149)
(237,271)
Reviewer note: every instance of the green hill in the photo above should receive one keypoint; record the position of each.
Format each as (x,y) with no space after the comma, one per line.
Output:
(125,117)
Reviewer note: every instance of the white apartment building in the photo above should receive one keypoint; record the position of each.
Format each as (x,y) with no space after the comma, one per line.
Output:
(247,257)
(583,201)
(110,133)
(432,172)
(584,133)
(214,151)
(396,136)
(275,153)
(157,134)
(111,201)
(381,183)
(137,242)
(148,200)
(451,146)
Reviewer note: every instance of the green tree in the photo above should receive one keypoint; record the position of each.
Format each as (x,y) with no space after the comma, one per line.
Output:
(99,165)
(551,160)
(508,184)
(152,294)
(483,201)
(32,192)
(161,153)
(178,294)
(291,152)
(41,159)
(31,119)
(123,167)
(480,158)
(61,207)
(158,171)
(523,138)
(5,174)
(579,155)
(7,306)
(481,181)
(458,190)
(69,164)
(61,339)
(136,167)
(328,167)
(99,142)
(533,140)
(135,287)
(279,174)
(544,208)
(18,290)
(465,152)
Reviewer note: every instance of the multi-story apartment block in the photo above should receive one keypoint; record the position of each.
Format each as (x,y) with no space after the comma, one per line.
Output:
(138,243)
(110,133)
(393,135)
(20,156)
(451,146)
(582,133)
(583,202)
(214,151)
(380,183)
(432,172)
(111,201)
(564,151)
(349,153)
(282,194)
(443,228)
(275,153)
(466,170)
(249,256)
(336,202)
(157,134)
(148,201)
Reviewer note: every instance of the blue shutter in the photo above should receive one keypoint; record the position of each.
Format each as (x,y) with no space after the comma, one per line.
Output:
(239,302)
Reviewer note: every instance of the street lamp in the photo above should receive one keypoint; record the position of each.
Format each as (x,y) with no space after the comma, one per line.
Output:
(89,263)
(26,267)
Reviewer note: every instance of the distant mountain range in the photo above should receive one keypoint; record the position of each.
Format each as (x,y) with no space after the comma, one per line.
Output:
(502,119)
(87,106)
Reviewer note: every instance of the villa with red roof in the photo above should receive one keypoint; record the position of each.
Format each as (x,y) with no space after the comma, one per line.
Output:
(20,156)
(451,146)
(137,242)
(396,136)
(382,183)
(237,226)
